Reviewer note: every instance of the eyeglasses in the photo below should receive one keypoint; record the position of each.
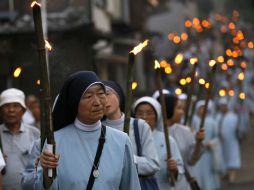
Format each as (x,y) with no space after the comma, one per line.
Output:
(145,113)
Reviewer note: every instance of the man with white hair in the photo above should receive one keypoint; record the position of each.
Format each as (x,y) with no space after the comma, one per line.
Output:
(16,137)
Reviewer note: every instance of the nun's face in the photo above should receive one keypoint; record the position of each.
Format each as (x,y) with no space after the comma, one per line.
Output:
(201,110)
(92,105)
(146,112)
(112,103)
(178,112)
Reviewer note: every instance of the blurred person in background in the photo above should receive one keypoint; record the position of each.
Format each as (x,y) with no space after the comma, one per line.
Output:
(16,136)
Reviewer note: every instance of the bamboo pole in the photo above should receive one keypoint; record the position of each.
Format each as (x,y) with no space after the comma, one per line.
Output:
(44,76)
(129,92)
(164,115)
(209,92)
(190,93)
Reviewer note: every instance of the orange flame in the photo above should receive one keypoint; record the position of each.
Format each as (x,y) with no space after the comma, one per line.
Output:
(230,62)
(139,47)
(207,85)
(38,82)
(224,67)
(229,52)
(176,39)
(163,63)
(231,25)
(223,29)
(250,45)
(188,24)
(231,92)
(195,21)
(35,3)
(240,35)
(220,59)
(184,36)
(243,65)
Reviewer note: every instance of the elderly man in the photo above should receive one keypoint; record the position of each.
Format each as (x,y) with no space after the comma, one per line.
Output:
(16,137)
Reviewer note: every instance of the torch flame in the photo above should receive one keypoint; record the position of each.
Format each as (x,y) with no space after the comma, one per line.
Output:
(47,45)
(38,82)
(134,85)
(212,63)
(35,3)
(241,76)
(222,92)
(188,79)
(139,47)
(242,96)
(182,82)
(17,72)
(156,64)
(207,85)
(231,92)
(220,59)
(168,70)
(178,91)
(179,58)
(193,60)
(201,81)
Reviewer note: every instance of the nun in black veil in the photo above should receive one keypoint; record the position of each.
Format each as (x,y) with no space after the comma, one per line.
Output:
(89,155)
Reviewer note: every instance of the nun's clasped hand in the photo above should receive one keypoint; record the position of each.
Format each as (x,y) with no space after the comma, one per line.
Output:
(200,135)
(49,160)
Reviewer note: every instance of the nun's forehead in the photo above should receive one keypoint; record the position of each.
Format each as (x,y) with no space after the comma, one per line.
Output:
(95,85)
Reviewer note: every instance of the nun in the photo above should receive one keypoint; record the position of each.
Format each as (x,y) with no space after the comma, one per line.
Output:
(147,161)
(227,125)
(190,146)
(209,166)
(149,109)
(79,132)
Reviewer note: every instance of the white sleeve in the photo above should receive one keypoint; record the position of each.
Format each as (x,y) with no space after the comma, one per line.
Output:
(148,163)
(2,162)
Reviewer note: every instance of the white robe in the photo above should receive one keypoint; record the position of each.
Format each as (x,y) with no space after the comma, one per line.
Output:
(77,149)
(230,143)
(148,163)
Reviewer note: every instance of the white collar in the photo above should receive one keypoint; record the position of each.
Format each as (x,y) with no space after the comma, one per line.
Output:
(87,127)
(115,121)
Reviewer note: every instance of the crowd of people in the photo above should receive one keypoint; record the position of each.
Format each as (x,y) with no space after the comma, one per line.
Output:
(93,152)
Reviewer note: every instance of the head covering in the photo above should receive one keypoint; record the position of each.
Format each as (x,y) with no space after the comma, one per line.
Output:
(210,106)
(182,96)
(156,94)
(12,95)
(117,89)
(170,101)
(156,106)
(223,101)
(66,106)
